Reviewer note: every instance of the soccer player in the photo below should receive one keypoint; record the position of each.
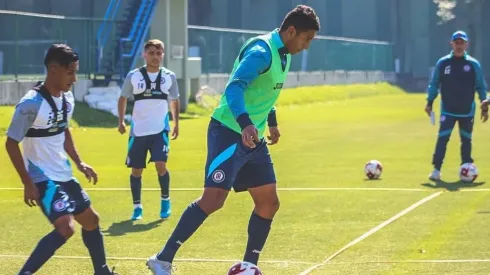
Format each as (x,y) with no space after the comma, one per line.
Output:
(457,75)
(238,156)
(152,87)
(40,122)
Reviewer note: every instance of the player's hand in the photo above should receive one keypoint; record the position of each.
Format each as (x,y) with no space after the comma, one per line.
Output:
(249,135)
(484,109)
(274,135)
(122,128)
(31,194)
(428,109)
(88,171)
(175,132)
(484,115)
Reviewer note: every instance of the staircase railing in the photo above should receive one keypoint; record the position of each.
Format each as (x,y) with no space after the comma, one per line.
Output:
(138,32)
(105,30)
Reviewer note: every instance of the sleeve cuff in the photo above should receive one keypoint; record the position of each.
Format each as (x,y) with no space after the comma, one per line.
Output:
(244,120)
(272,119)
(430,102)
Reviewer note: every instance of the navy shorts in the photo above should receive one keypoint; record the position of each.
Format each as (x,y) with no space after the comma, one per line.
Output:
(138,148)
(231,164)
(62,198)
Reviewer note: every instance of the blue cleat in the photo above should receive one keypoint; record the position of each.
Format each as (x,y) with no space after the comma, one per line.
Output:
(137,214)
(166,209)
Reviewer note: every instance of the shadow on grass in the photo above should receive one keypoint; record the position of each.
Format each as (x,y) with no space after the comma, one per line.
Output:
(451,186)
(85,116)
(129,226)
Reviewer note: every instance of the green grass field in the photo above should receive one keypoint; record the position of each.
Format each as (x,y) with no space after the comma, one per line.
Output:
(328,133)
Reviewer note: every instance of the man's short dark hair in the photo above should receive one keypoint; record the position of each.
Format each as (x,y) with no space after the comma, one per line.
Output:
(303,18)
(61,54)
(154,43)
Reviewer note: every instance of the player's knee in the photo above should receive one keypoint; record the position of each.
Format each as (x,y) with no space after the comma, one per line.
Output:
(271,207)
(136,172)
(65,226)
(274,205)
(161,170)
(92,222)
(268,208)
(212,199)
(95,219)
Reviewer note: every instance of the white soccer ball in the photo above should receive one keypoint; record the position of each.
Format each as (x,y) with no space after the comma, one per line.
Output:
(244,268)
(373,169)
(468,172)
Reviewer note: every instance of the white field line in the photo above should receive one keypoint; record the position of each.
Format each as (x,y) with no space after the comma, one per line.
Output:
(372,231)
(279,189)
(185,260)
(198,260)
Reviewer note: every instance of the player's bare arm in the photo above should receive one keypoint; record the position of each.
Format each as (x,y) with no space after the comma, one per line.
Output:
(274,133)
(121,110)
(70,149)
(31,194)
(126,92)
(174,109)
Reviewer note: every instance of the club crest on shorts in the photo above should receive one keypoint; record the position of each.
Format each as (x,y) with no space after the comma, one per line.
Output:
(218,176)
(60,205)
(443,118)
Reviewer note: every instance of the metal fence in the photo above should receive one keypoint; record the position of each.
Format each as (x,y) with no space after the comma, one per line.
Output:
(218,48)
(25,38)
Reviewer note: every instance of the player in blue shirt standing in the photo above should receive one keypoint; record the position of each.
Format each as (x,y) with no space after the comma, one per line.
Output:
(457,75)
(40,122)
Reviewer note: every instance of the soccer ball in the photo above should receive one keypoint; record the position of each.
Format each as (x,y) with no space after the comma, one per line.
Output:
(468,172)
(373,169)
(244,268)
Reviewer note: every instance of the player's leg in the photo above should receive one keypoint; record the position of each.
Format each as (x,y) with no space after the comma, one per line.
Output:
(465,132)
(89,220)
(445,130)
(223,163)
(159,154)
(259,178)
(56,205)
(136,160)
(93,240)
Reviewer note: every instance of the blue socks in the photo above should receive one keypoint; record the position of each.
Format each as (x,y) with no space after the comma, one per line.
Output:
(135,189)
(190,221)
(45,249)
(258,231)
(164,185)
(94,242)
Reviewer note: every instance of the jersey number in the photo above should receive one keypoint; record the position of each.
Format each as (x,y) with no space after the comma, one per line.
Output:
(141,85)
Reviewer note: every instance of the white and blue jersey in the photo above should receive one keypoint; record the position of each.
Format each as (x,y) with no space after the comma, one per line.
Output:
(150,114)
(38,128)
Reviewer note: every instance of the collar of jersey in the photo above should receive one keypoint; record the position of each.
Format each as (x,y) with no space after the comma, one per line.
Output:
(464,55)
(276,39)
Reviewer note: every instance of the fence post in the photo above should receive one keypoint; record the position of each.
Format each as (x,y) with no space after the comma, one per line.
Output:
(16,72)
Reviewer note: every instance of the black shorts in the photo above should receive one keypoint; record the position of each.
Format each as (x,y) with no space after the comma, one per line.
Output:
(138,148)
(62,198)
(232,164)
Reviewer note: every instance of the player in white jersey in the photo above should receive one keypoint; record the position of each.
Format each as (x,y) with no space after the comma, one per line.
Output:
(153,87)
(40,122)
